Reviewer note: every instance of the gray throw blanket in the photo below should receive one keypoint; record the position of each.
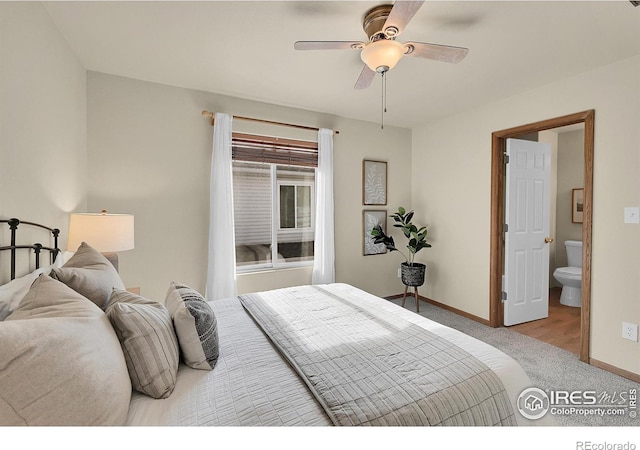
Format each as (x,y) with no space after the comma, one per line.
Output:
(368,367)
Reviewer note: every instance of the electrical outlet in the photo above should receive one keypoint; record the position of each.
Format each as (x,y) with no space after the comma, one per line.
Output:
(630,331)
(399,273)
(632,214)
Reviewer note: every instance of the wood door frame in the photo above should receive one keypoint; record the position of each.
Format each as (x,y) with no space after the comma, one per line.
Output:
(498,147)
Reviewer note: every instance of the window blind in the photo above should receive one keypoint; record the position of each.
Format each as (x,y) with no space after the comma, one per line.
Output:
(274,150)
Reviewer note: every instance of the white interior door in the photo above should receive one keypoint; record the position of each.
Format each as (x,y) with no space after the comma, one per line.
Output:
(526,260)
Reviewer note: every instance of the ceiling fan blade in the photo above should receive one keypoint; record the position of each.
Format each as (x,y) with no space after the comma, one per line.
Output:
(366,77)
(400,15)
(327,45)
(443,53)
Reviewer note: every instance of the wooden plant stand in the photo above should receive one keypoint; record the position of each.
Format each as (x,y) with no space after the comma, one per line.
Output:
(415,292)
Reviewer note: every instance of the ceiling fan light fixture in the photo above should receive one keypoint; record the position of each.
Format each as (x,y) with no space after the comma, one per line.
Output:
(383,54)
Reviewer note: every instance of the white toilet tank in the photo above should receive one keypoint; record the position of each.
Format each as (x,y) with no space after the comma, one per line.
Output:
(574,253)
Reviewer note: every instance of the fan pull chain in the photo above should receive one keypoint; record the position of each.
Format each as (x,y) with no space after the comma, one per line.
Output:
(384,100)
(384,79)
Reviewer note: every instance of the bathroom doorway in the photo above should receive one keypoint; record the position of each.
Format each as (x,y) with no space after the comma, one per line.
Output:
(561,327)
(499,138)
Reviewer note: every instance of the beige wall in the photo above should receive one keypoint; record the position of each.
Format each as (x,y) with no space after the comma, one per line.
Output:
(452,182)
(42,120)
(150,154)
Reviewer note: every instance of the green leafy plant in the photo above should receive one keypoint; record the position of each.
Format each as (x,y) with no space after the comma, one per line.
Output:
(417,236)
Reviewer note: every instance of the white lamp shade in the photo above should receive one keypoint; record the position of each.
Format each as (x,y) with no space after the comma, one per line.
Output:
(107,233)
(384,53)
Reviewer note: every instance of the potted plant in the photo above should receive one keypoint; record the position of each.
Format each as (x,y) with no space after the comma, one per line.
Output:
(412,273)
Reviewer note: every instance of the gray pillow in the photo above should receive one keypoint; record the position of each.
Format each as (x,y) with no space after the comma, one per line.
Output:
(195,325)
(148,342)
(61,362)
(89,273)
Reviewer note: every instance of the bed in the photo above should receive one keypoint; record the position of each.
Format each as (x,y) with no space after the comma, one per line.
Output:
(301,356)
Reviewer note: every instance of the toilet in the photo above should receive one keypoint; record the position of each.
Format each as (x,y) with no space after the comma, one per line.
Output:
(571,277)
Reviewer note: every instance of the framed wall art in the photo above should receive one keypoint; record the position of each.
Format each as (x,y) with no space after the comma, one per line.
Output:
(371,218)
(374,182)
(577,205)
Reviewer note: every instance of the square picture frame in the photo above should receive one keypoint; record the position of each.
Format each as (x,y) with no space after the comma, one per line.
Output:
(577,205)
(374,183)
(371,218)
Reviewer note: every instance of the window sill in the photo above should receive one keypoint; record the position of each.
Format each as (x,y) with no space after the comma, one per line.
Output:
(280,268)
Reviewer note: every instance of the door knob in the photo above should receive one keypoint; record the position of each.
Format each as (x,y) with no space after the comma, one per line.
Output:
(548,240)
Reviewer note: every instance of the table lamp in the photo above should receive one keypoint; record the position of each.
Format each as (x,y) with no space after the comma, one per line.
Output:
(107,233)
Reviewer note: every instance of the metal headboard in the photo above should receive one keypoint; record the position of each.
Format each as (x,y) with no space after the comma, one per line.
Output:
(37,247)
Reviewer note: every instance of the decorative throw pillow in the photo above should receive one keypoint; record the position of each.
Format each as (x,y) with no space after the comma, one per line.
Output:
(148,342)
(89,273)
(61,362)
(195,325)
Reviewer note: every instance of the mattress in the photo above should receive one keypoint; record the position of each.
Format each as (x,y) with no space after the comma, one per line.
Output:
(253,385)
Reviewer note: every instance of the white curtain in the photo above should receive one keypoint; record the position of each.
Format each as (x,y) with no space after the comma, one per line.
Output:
(323,250)
(221,273)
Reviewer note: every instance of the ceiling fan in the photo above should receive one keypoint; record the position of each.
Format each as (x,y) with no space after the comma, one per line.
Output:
(381,53)
(383,24)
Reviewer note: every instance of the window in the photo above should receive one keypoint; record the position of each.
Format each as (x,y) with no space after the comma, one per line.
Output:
(295,203)
(274,206)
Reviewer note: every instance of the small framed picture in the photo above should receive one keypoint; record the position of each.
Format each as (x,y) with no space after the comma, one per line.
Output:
(374,182)
(371,218)
(577,205)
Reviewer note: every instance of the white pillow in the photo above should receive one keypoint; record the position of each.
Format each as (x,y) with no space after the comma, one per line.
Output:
(14,291)
(61,362)
(196,326)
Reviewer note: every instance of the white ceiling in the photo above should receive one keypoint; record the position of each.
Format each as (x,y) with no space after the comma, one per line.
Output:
(245,49)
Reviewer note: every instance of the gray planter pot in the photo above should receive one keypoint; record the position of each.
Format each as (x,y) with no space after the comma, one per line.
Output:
(412,275)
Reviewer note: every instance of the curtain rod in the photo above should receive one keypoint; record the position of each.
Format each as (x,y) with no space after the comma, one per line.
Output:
(206,113)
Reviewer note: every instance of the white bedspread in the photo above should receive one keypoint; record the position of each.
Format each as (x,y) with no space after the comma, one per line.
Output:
(369,367)
(253,385)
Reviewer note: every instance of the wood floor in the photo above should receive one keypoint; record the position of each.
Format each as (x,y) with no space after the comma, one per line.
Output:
(561,328)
